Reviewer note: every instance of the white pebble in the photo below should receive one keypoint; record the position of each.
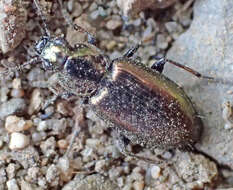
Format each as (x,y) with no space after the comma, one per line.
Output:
(18,141)
(100,165)
(12,185)
(155,171)
(93,143)
(17,124)
(138,185)
(63,164)
(35,101)
(16,83)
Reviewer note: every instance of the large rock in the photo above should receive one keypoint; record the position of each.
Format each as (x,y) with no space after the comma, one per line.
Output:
(207,47)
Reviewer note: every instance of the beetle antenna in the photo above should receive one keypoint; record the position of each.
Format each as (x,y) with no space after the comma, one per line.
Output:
(91,38)
(39,12)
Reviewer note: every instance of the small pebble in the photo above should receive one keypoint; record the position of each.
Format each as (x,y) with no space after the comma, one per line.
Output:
(171,27)
(12,185)
(100,165)
(42,182)
(102,12)
(155,172)
(48,147)
(77,9)
(52,175)
(70,5)
(37,137)
(33,173)
(62,108)
(93,6)
(113,24)
(63,164)
(86,153)
(137,174)
(1,143)
(42,126)
(4,94)
(162,43)
(17,93)
(110,45)
(12,106)
(17,124)
(35,101)
(94,15)
(227,114)
(24,185)
(16,83)
(62,144)
(93,143)
(18,141)
(11,170)
(138,185)
(127,187)
(65,168)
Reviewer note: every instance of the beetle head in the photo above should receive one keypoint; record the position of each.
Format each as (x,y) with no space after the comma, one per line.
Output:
(53,52)
(40,45)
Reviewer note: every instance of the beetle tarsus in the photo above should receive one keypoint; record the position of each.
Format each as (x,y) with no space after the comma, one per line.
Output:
(159,65)
(192,71)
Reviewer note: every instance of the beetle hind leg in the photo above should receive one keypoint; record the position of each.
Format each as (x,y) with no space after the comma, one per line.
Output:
(159,65)
(121,144)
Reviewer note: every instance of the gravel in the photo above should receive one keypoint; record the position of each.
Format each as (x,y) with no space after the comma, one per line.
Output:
(34,143)
(18,141)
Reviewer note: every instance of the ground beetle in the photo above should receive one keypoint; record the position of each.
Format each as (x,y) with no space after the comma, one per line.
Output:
(141,104)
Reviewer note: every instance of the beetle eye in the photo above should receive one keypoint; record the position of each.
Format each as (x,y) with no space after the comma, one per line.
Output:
(41,44)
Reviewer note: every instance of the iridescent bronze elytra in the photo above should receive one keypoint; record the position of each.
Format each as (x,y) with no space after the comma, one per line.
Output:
(139,103)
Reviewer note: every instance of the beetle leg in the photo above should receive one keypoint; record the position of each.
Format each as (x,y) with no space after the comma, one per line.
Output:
(79,121)
(64,95)
(159,65)
(122,142)
(162,61)
(131,51)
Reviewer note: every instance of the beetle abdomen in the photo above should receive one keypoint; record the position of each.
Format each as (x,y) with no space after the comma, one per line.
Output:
(145,104)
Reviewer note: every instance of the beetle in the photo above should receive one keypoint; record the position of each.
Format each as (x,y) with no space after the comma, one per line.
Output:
(139,103)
